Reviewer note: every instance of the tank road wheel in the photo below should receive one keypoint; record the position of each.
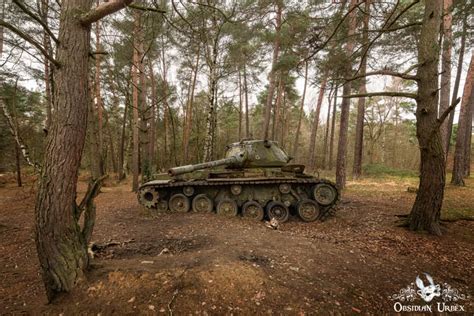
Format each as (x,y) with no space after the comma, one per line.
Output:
(308,210)
(278,210)
(179,203)
(227,207)
(325,194)
(148,197)
(253,210)
(202,203)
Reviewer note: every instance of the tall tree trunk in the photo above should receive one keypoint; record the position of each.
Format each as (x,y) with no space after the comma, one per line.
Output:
(456,82)
(425,214)
(326,135)
(446,69)
(189,108)
(277,110)
(463,128)
(314,127)
(359,137)
(345,105)
(144,112)
(247,120)
(121,170)
(18,165)
(333,128)
(240,105)
(135,105)
(44,12)
(298,128)
(99,103)
(467,154)
(152,120)
(61,248)
(272,75)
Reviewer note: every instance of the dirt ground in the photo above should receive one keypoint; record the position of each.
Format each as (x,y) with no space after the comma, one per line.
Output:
(206,264)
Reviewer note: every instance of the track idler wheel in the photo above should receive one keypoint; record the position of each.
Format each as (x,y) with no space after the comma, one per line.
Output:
(227,207)
(179,203)
(202,204)
(253,210)
(148,197)
(325,194)
(278,211)
(308,210)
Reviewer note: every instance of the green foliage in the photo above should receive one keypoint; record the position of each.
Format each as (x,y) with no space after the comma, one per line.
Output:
(380,170)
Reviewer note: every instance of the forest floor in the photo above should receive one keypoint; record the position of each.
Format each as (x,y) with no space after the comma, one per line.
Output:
(206,264)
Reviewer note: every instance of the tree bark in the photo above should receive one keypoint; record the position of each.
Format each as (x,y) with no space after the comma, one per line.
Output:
(314,127)
(99,155)
(135,105)
(446,69)
(298,128)
(272,76)
(189,108)
(463,128)
(333,128)
(121,170)
(345,105)
(247,120)
(425,214)
(456,82)
(326,134)
(61,248)
(359,137)
(152,118)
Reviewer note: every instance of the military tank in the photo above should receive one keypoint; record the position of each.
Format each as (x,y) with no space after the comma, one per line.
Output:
(254,180)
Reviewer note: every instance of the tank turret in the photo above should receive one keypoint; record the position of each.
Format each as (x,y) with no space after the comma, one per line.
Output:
(244,154)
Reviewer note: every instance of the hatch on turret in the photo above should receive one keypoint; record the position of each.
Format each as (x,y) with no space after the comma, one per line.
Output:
(258,153)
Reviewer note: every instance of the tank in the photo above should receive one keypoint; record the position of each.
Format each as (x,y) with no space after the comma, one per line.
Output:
(254,180)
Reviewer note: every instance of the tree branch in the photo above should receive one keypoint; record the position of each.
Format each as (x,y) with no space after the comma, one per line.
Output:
(446,112)
(27,11)
(382,93)
(103,10)
(30,40)
(384,73)
(143,8)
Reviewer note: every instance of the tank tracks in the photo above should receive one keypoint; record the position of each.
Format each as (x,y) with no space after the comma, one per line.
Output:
(325,212)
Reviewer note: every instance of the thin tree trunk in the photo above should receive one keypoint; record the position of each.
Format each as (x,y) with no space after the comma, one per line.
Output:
(144,112)
(135,70)
(277,110)
(44,11)
(359,137)
(18,165)
(326,135)
(121,170)
(298,128)
(463,128)
(425,214)
(315,125)
(99,104)
(247,121)
(153,111)
(467,154)
(189,108)
(446,69)
(345,105)
(333,128)
(240,105)
(456,82)
(271,76)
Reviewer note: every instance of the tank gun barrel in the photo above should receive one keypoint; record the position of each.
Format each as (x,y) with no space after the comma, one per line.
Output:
(233,160)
